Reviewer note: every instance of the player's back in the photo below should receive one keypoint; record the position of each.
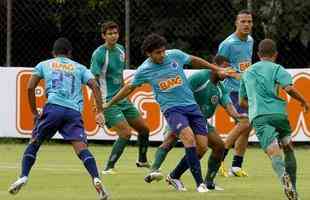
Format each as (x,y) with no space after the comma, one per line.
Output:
(63,80)
(262,82)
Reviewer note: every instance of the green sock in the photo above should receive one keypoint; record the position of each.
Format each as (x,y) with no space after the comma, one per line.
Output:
(278,166)
(143,141)
(117,150)
(160,156)
(291,166)
(213,166)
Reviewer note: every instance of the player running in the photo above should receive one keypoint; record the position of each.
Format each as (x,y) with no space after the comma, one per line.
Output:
(62,112)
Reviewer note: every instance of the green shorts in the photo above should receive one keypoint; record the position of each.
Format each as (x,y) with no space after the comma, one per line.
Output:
(119,112)
(271,127)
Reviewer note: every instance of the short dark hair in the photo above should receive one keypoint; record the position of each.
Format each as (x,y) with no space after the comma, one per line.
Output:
(153,41)
(62,46)
(219,59)
(109,25)
(267,47)
(244,11)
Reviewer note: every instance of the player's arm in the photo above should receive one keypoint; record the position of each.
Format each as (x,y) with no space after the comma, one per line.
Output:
(93,85)
(243,99)
(286,81)
(198,62)
(32,84)
(123,93)
(291,90)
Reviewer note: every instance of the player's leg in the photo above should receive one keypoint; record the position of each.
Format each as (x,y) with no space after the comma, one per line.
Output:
(45,127)
(160,155)
(240,144)
(186,124)
(73,131)
(81,150)
(268,138)
(216,144)
(284,129)
(138,123)
(116,120)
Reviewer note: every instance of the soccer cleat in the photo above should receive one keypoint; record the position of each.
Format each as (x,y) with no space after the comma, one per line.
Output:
(223,171)
(213,186)
(143,164)
(176,183)
(202,188)
(110,171)
(102,192)
(17,185)
(152,176)
(237,171)
(289,191)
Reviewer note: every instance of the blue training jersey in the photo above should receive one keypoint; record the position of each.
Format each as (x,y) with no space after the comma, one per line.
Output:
(239,54)
(168,80)
(63,80)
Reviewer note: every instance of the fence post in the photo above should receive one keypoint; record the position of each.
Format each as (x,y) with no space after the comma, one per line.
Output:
(250,5)
(8,34)
(127,32)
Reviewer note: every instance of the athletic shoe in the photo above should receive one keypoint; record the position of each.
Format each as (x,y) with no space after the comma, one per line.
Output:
(110,171)
(202,188)
(289,191)
(213,186)
(152,176)
(102,192)
(237,171)
(223,171)
(143,164)
(17,185)
(176,183)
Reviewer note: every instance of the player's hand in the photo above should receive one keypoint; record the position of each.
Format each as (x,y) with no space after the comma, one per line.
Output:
(230,72)
(106,105)
(100,120)
(242,117)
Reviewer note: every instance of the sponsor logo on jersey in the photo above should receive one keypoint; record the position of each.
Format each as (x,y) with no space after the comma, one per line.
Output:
(214,99)
(170,83)
(244,65)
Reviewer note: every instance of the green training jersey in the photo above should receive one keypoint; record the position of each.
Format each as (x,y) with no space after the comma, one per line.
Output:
(207,94)
(109,64)
(260,85)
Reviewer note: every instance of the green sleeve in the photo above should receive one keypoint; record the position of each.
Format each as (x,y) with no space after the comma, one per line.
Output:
(283,77)
(225,99)
(96,62)
(242,89)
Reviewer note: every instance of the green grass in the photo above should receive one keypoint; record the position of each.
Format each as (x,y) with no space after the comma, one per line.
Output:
(59,175)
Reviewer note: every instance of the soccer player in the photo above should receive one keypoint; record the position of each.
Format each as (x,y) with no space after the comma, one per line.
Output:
(163,70)
(267,112)
(238,48)
(208,92)
(108,64)
(62,112)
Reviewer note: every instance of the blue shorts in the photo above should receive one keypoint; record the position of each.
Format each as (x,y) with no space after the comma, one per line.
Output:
(234,96)
(66,121)
(180,117)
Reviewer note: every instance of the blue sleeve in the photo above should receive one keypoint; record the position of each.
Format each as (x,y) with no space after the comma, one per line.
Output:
(183,57)
(139,78)
(38,70)
(283,77)
(86,75)
(224,49)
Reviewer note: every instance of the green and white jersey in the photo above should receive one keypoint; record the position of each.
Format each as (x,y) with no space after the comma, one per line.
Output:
(109,64)
(207,94)
(260,85)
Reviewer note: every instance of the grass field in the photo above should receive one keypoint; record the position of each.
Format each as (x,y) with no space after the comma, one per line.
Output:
(59,175)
